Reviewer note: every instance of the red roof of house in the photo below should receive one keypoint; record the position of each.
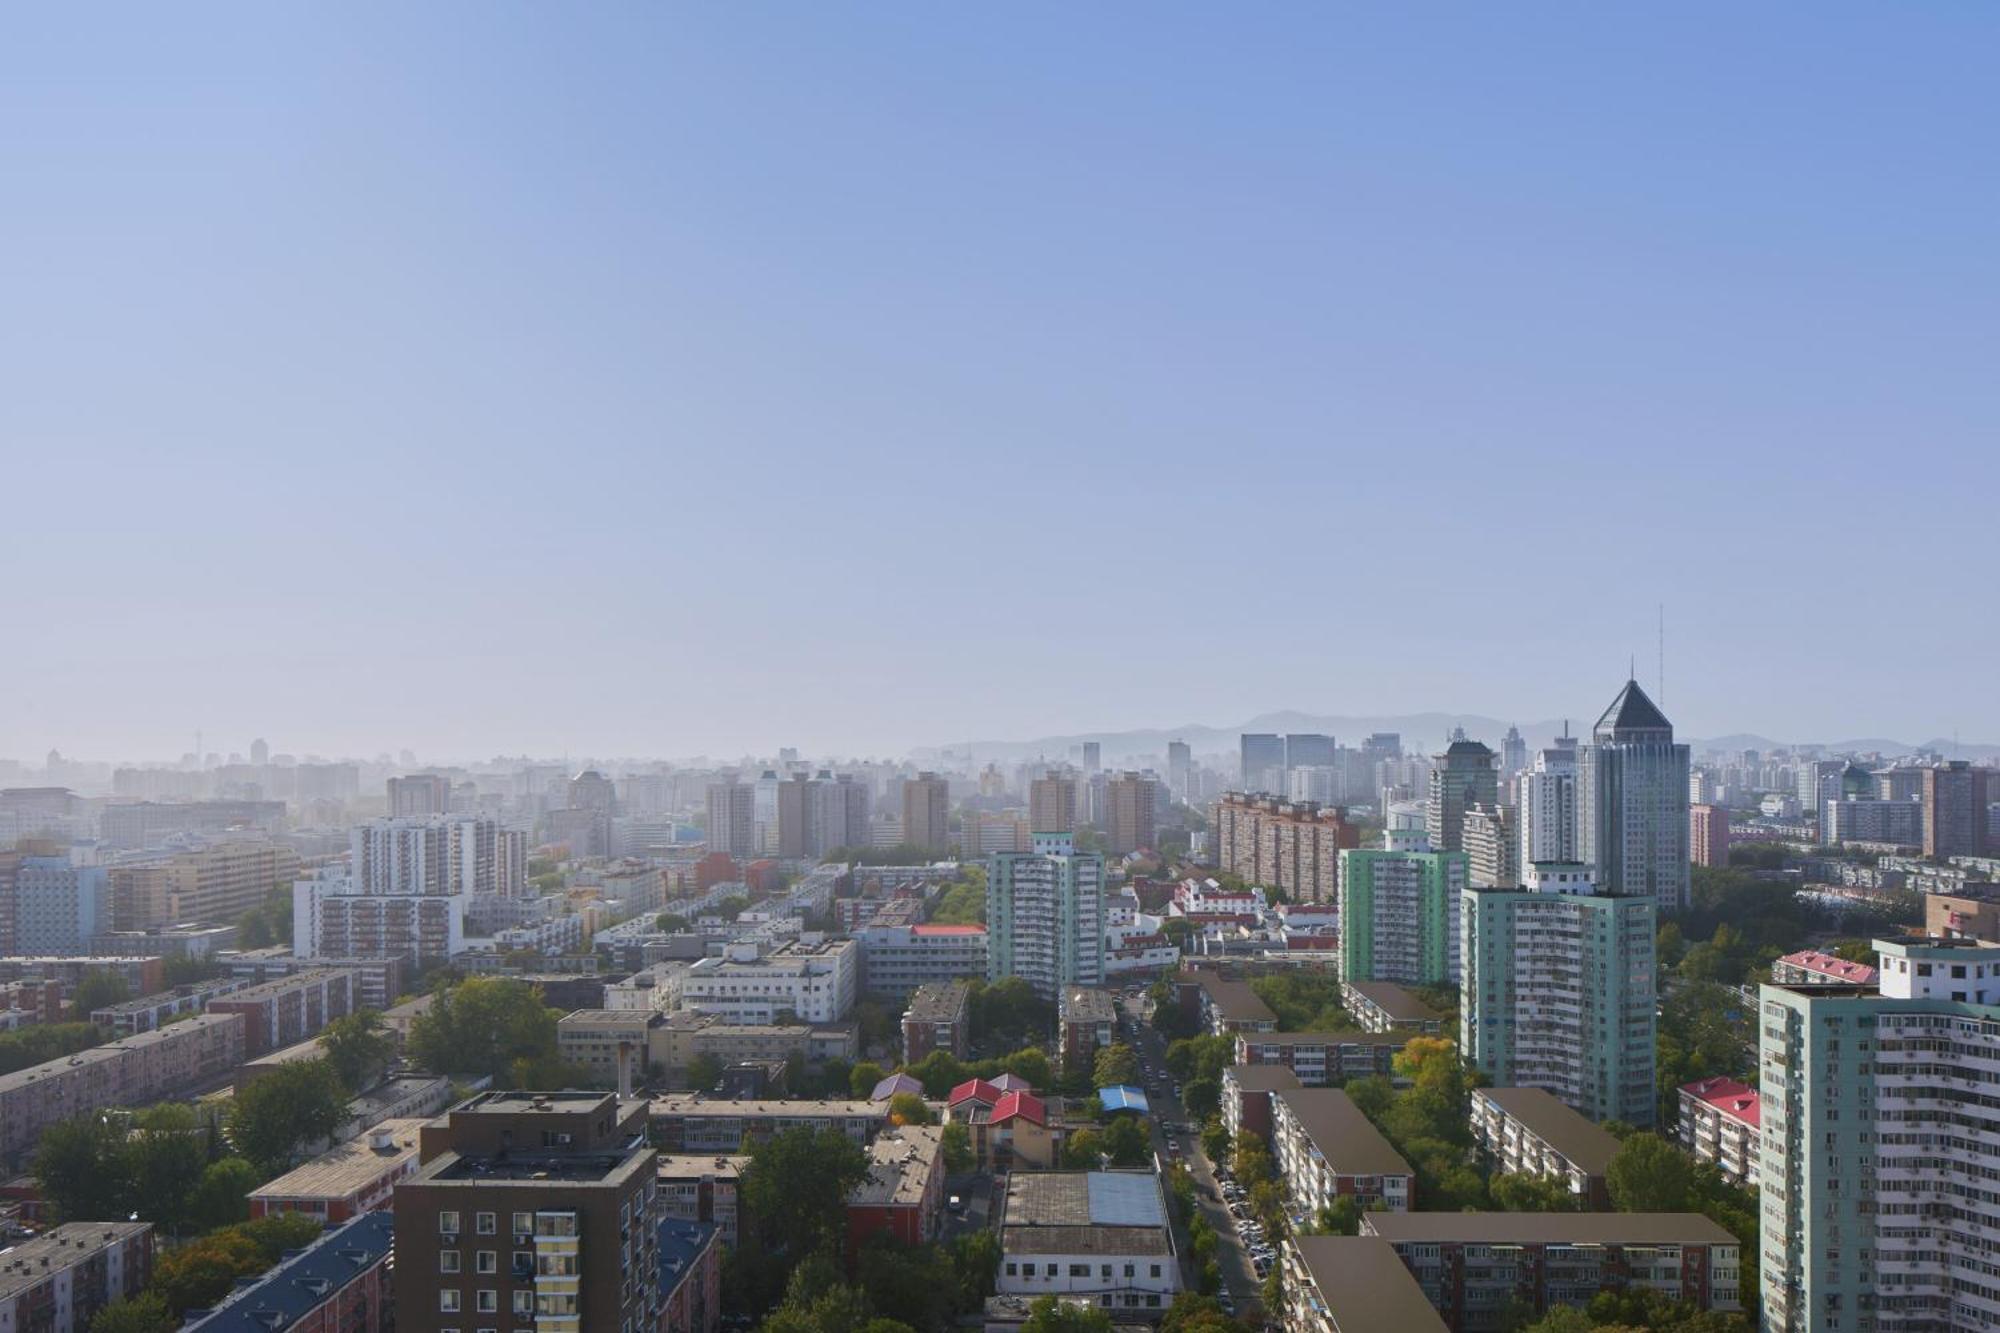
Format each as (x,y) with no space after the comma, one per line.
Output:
(974,1089)
(1738,1101)
(1831,965)
(1024,1104)
(947,930)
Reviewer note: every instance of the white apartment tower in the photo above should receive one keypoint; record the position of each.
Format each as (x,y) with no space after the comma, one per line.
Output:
(1045,916)
(1546,798)
(1880,1145)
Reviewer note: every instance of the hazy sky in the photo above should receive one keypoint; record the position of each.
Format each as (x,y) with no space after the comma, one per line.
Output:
(660,378)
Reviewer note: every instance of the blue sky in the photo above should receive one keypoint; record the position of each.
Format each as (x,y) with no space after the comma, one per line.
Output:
(670,379)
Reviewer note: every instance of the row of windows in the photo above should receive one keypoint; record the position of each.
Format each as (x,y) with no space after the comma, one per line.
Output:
(1075,1270)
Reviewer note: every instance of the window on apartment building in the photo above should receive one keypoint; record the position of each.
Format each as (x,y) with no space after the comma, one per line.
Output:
(448,1300)
(448,1220)
(447,1261)
(486,1223)
(486,1262)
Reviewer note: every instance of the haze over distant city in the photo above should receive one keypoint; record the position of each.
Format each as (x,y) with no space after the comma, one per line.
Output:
(703,380)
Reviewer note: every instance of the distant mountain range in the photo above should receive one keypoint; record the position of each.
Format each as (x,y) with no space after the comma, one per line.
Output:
(1421,732)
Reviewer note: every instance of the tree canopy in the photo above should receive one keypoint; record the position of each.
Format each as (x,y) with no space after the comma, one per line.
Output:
(291,1107)
(359,1046)
(492,1026)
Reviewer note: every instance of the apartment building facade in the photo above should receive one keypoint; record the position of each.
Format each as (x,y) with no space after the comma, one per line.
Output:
(1292,846)
(58,1281)
(1721,1123)
(530,1209)
(1399,915)
(1045,916)
(1525,1131)
(1325,1148)
(152,1066)
(1558,992)
(1480,1270)
(1880,1139)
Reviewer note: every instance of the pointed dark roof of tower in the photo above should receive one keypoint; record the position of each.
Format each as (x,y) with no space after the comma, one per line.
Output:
(1632,715)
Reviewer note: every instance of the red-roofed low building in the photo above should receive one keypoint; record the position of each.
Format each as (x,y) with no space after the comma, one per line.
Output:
(1721,1122)
(1007,1128)
(1810,967)
(973,1090)
(1018,1133)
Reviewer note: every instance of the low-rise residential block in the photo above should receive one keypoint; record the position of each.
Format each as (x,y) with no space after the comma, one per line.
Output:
(1481,1270)
(1526,1131)
(1385,1006)
(1722,1123)
(1325,1147)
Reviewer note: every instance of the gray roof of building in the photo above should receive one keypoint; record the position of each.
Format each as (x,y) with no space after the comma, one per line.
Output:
(1344,1136)
(1365,1286)
(1632,711)
(1587,1146)
(1262,1078)
(1394,1000)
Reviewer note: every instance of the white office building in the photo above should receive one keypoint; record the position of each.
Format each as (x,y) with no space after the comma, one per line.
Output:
(1546,799)
(813,979)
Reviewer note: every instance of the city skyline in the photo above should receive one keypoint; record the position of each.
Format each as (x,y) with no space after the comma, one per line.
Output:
(477,380)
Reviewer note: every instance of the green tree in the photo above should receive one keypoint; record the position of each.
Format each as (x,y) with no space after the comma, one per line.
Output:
(83,1170)
(359,1046)
(292,1106)
(1115,1065)
(99,989)
(492,1026)
(1563,1319)
(167,1155)
(1518,1193)
(1128,1141)
(1202,1096)
(1031,1064)
(1049,1315)
(962,904)
(1304,1001)
(1215,1139)
(914,1285)
(975,1258)
(222,1198)
(667,923)
(863,1077)
(879,1029)
(1193,1058)
(1342,1217)
(795,1189)
(44,1042)
(1649,1175)
(145,1313)
(956,1144)
(1083,1150)
(1252,1163)
(704,1072)
(906,1108)
(1193,1312)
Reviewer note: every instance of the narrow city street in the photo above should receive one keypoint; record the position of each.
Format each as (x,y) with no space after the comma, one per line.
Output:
(1237,1274)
